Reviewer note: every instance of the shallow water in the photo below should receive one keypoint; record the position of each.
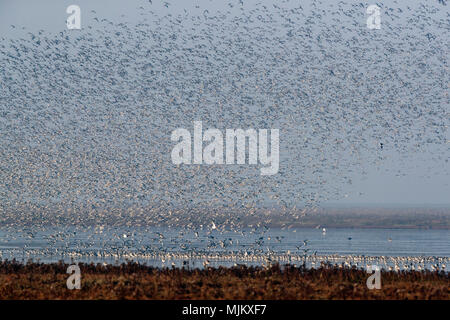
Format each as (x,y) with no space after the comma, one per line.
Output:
(195,248)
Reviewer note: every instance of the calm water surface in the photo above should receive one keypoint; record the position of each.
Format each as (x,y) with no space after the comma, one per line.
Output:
(119,244)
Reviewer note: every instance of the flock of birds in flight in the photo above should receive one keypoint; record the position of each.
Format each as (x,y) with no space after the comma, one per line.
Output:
(86,116)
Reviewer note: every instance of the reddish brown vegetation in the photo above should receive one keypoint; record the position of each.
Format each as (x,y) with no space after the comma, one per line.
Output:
(134,281)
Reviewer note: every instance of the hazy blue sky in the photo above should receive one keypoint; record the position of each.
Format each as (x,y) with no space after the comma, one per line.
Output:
(423,180)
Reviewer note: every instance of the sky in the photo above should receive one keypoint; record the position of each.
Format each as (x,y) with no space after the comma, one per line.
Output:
(416,178)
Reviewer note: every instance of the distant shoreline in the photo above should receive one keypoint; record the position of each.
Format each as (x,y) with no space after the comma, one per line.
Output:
(375,218)
(374,227)
(194,217)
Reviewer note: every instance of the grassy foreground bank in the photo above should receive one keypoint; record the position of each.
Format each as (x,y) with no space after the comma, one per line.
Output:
(134,281)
